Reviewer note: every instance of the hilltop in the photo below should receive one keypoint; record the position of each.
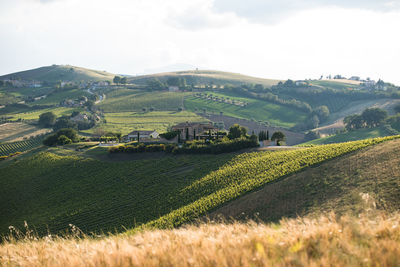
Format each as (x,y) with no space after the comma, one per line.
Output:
(56,73)
(206,77)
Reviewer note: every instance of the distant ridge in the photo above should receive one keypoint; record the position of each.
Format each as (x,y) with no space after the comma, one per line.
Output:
(56,73)
(206,76)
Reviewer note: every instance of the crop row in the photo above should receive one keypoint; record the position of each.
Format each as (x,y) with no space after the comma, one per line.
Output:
(247,173)
(20,146)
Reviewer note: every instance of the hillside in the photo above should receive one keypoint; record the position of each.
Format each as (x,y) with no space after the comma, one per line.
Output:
(341,185)
(206,77)
(100,192)
(56,73)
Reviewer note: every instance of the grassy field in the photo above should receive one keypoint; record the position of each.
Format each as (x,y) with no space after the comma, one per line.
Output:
(125,100)
(53,189)
(350,136)
(11,132)
(258,110)
(323,241)
(336,84)
(34,115)
(125,122)
(58,96)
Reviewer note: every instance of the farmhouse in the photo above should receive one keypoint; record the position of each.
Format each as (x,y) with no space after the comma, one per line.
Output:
(142,135)
(190,131)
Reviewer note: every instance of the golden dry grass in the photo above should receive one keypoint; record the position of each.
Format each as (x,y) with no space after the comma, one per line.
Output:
(12,132)
(326,241)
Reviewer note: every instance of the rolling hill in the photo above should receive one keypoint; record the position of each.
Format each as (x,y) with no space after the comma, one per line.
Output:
(56,73)
(98,192)
(206,77)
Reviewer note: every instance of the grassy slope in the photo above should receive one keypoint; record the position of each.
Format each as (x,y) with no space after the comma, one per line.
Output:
(11,132)
(56,190)
(350,136)
(160,121)
(207,77)
(131,100)
(339,185)
(56,73)
(258,110)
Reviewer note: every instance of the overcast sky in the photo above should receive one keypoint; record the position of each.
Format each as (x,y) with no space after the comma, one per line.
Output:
(266,38)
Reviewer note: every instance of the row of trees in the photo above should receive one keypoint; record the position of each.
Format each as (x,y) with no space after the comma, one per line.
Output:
(120,80)
(369,118)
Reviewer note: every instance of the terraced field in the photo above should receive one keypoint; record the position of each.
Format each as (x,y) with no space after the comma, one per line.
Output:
(20,146)
(258,110)
(125,122)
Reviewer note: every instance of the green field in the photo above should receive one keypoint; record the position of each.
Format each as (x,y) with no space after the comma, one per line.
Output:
(162,191)
(258,110)
(124,100)
(125,122)
(350,136)
(60,95)
(34,115)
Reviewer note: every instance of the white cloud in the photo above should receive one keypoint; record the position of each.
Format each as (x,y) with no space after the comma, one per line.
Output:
(129,37)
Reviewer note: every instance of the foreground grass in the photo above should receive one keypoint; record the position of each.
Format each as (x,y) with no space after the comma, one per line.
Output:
(325,241)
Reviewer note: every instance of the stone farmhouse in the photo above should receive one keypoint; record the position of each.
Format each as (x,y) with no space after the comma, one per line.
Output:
(190,131)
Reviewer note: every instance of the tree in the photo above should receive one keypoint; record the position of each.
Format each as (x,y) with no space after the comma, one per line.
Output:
(63,140)
(354,122)
(117,79)
(61,137)
(322,112)
(374,116)
(278,137)
(47,119)
(64,122)
(236,131)
(262,135)
(123,80)
(397,108)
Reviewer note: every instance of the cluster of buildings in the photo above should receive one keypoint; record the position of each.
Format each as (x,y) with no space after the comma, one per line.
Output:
(187,131)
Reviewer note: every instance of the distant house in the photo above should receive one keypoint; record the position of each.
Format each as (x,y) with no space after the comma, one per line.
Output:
(143,135)
(195,130)
(354,78)
(173,88)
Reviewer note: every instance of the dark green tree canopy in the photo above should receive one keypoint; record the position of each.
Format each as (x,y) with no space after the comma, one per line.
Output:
(117,79)
(236,131)
(47,119)
(278,137)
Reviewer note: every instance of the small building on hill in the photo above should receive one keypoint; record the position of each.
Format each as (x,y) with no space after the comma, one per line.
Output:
(142,136)
(194,130)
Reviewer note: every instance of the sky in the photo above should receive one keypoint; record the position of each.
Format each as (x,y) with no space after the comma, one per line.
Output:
(264,38)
